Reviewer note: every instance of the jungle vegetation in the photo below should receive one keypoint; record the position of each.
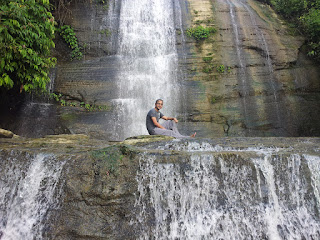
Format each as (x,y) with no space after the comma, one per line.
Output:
(27,29)
(305,14)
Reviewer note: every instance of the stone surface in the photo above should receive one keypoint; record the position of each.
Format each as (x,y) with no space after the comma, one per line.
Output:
(276,93)
(6,134)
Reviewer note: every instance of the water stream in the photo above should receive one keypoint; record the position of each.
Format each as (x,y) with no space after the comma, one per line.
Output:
(265,193)
(148,63)
(242,19)
(29,193)
(242,73)
(265,48)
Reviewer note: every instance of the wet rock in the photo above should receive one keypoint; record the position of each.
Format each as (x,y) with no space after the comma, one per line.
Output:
(6,134)
(143,139)
(253,81)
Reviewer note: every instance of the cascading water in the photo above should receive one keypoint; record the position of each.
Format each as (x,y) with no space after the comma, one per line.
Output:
(242,73)
(29,192)
(148,63)
(264,46)
(239,10)
(228,193)
(37,117)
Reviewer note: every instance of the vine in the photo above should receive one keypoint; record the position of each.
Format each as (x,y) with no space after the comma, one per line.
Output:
(89,107)
(68,35)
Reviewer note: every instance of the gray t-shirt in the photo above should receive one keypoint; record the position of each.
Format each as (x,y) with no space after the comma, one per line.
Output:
(152,113)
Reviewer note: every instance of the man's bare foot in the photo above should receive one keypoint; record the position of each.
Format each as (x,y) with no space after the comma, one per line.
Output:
(193,135)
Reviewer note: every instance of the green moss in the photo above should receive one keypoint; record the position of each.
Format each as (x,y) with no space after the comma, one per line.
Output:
(106,32)
(107,160)
(208,69)
(221,68)
(207,59)
(68,117)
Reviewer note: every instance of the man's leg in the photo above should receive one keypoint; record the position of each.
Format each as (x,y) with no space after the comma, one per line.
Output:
(172,126)
(165,132)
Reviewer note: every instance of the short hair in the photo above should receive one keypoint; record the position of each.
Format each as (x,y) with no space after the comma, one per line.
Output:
(159,99)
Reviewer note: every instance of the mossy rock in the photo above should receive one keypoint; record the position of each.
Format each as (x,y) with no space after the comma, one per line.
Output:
(143,139)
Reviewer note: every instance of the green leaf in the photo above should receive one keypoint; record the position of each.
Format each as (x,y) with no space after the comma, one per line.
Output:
(6,81)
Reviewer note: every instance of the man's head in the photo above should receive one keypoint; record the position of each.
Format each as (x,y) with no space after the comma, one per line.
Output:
(159,104)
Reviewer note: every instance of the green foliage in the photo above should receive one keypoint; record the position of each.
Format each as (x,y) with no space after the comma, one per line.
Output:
(89,107)
(106,32)
(101,1)
(290,8)
(68,35)
(265,1)
(200,33)
(107,160)
(26,38)
(207,59)
(221,68)
(208,69)
(311,23)
(306,15)
(105,7)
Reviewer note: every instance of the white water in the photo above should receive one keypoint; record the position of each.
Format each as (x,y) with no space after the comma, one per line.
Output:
(148,63)
(224,196)
(28,194)
(242,73)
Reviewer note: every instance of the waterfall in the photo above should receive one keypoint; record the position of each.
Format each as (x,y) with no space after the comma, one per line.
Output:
(242,17)
(244,85)
(37,115)
(264,46)
(29,192)
(148,63)
(227,193)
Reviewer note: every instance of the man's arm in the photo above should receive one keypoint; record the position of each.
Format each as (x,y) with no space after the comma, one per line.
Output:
(170,118)
(154,120)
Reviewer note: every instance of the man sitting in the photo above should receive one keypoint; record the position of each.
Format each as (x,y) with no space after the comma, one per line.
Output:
(168,128)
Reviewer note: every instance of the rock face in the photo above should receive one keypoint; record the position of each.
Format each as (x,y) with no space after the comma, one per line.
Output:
(252,76)
(99,200)
(6,134)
